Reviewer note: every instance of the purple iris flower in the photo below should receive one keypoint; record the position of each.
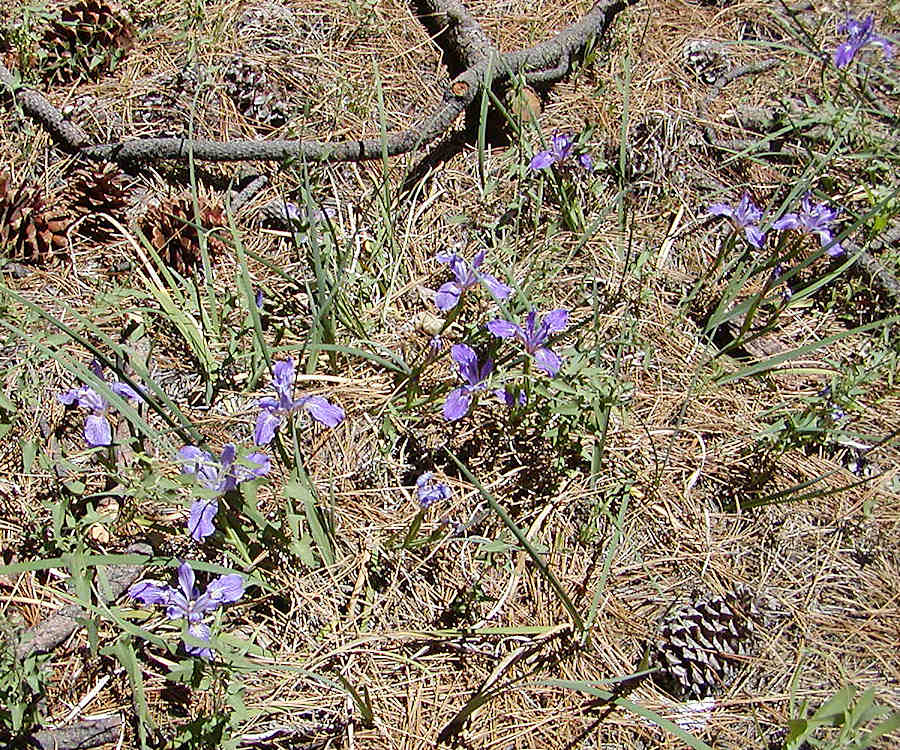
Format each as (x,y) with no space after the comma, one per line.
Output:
(813,219)
(460,399)
(859,33)
(561,146)
(535,336)
(97,430)
(188,603)
(745,215)
(274,410)
(218,476)
(467,276)
(428,490)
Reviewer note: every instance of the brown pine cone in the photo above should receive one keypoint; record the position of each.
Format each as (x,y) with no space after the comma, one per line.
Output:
(702,645)
(29,232)
(95,191)
(171,229)
(88,40)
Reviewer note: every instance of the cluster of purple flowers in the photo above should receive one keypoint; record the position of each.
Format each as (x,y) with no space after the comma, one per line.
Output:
(534,336)
(859,34)
(815,219)
(215,476)
(220,475)
(562,147)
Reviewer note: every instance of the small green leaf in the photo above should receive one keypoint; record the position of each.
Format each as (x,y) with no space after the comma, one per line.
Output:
(798,729)
(29,450)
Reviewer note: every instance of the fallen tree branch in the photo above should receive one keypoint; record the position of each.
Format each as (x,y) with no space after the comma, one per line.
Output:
(874,270)
(84,734)
(460,37)
(47,635)
(549,57)
(734,73)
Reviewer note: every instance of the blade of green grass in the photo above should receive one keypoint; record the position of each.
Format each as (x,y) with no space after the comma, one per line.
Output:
(482,122)
(299,488)
(772,362)
(124,652)
(635,708)
(538,559)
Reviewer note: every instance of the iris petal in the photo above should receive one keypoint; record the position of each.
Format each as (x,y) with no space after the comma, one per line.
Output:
(457,404)
(266,424)
(97,431)
(547,361)
(503,328)
(447,296)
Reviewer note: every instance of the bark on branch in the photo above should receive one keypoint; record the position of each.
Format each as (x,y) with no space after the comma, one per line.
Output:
(48,634)
(85,734)
(465,38)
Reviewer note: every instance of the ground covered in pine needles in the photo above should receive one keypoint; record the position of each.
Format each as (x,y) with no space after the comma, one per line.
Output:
(725,416)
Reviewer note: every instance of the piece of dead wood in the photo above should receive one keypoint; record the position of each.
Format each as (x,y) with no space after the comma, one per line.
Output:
(84,734)
(873,269)
(545,62)
(47,635)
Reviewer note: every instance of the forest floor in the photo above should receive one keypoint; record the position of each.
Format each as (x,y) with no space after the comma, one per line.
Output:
(724,417)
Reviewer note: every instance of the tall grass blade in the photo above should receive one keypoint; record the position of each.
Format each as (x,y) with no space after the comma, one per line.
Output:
(536,556)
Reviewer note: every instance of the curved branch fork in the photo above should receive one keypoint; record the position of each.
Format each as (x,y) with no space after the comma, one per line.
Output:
(465,42)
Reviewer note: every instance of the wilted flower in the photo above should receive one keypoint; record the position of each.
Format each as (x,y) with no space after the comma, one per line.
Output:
(459,400)
(306,216)
(428,490)
(189,604)
(466,277)
(859,33)
(561,146)
(274,410)
(535,336)
(97,430)
(218,476)
(509,398)
(812,219)
(745,215)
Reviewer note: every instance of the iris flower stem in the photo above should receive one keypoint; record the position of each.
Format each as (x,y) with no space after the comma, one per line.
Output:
(282,451)
(413,529)
(527,380)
